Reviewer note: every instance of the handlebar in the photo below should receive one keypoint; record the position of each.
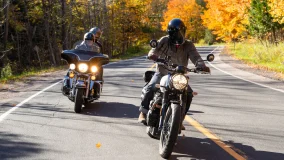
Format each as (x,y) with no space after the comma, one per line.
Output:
(173,67)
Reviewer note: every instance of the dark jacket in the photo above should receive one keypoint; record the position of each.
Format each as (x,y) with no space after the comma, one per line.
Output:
(179,56)
(83,46)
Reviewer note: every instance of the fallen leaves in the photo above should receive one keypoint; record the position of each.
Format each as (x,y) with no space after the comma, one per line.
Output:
(98,145)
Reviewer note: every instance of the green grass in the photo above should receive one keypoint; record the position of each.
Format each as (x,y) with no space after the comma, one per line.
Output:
(30,72)
(259,56)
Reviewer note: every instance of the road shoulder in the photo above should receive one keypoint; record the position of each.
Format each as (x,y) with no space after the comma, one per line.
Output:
(237,68)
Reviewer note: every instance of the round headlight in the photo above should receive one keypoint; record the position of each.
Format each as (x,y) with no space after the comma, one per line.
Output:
(72,66)
(179,81)
(83,67)
(94,69)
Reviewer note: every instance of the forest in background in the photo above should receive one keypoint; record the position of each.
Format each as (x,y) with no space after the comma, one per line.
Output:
(34,32)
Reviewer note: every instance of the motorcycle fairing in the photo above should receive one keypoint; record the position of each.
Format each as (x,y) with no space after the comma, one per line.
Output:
(75,56)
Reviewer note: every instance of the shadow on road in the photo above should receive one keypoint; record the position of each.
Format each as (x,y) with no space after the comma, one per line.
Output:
(13,146)
(112,109)
(198,148)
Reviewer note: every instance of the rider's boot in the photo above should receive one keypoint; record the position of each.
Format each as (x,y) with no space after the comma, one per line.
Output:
(142,118)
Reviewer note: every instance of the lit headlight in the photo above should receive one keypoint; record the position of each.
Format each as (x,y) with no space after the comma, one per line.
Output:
(94,69)
(72,66)
(83,67)
(179,81)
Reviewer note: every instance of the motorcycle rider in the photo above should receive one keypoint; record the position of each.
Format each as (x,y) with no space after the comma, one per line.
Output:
(180,50)
(86,45)
(97,32)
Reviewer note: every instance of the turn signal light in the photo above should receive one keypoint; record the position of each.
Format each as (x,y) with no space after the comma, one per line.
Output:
(93,78)
(71,74)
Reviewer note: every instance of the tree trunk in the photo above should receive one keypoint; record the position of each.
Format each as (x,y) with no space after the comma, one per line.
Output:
(70,28)
(18,50)
(6,26)
(63,31)
(29,35)
(53,29)
(46,24)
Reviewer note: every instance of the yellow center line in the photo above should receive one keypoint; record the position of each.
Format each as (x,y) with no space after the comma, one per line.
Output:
(210,134)
(214,138)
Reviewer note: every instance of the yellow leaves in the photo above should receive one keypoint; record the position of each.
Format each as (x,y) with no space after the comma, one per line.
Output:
(277,10)
(227,18)
(98,145)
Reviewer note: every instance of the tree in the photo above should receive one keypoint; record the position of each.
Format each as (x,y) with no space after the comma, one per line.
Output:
(277,10)
(190,13)
(227,19)
(261,22)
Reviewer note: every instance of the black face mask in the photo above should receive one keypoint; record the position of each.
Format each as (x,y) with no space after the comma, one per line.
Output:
(176,36)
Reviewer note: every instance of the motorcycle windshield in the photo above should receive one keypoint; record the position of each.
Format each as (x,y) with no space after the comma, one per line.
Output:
(75,56)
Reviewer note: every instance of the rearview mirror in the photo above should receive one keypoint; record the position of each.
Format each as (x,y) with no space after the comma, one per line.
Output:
(153,43)
(210,57)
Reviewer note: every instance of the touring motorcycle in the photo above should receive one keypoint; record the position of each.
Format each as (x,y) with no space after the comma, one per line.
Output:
(167,109)
(83,82)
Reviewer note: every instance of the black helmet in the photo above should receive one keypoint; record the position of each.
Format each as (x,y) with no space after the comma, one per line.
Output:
(97,32)
(176,30)
(89,36)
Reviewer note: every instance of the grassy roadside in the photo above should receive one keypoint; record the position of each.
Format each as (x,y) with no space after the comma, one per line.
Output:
(131,53)
(259,56)
(31,72)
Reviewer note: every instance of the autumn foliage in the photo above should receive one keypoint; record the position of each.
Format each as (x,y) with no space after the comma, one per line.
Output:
(277,10)
(189,12)
(226,18)
(33,33)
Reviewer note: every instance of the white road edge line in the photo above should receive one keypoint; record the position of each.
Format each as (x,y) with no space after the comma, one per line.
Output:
(3,116)
(275,89)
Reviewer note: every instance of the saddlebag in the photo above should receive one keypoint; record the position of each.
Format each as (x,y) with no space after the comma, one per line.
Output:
(148,76)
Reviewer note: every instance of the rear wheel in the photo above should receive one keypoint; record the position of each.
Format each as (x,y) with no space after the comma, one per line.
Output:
(170,131)
(78,100)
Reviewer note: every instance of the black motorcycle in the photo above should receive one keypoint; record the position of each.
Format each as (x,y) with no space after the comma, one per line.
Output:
(167,109)
(83,82)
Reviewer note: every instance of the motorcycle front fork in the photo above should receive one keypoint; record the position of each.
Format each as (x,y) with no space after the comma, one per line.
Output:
(165,106)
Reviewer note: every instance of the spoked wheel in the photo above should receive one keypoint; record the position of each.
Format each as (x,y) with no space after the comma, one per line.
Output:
(78,100)
(170,131)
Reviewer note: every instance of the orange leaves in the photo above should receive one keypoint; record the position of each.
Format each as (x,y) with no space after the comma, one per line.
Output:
(226,17)
(186,10)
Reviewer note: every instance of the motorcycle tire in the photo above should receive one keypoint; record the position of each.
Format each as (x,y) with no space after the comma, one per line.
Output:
(78,100)
(170,131)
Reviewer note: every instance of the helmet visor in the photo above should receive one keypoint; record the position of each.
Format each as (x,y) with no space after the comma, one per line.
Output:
(176,36)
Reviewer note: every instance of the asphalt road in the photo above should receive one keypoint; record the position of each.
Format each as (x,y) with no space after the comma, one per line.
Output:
(244,115)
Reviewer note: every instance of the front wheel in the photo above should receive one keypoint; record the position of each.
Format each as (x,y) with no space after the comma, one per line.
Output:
(78,100)
(170,131)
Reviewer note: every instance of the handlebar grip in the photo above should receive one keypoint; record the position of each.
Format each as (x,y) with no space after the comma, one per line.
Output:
(160,60)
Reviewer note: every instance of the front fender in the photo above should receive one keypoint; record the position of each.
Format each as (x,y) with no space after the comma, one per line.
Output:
(80,84)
